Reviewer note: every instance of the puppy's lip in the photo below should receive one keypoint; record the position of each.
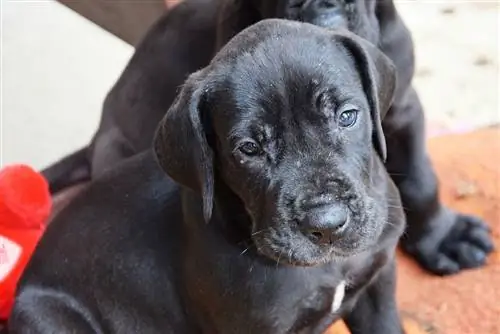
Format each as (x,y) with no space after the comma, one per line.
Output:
(341,253)
(335,23)
(283,257)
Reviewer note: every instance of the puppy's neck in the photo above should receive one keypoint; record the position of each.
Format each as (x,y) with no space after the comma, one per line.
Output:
(229,218)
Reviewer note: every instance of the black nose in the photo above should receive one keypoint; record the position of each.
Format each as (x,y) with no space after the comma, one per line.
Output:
(319,7)
(326,13)
(323,224)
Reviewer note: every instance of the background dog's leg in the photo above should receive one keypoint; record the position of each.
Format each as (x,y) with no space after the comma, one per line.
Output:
(375,311)
(70,170)
(443,241)
(111,149)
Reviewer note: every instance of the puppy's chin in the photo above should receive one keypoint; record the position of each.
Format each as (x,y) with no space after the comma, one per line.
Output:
(332,23)
(287,247)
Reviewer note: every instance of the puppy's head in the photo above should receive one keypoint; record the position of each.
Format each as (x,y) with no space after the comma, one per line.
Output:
(358,16)
(288,117)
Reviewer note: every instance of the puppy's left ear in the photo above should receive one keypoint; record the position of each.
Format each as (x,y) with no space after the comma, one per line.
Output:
(378,74)
(180,143)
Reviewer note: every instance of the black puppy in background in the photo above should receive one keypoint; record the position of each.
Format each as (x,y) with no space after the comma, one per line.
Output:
(443,241)
(284,221)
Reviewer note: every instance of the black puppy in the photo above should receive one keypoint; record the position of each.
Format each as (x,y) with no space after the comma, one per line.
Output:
(285,219)
(183,41)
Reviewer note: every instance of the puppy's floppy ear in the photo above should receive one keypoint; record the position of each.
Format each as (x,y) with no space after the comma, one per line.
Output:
(180,142)
(378,74)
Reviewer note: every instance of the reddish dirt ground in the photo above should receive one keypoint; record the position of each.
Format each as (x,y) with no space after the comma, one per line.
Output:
(469,303)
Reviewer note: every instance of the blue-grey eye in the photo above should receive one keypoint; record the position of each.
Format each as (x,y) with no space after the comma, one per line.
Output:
(250,148)
(347,118)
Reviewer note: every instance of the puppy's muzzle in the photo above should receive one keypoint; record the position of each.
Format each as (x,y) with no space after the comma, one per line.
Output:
(323,222)
(324,13)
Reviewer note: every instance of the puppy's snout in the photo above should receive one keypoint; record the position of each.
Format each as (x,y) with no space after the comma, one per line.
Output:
(324,223)
(323,12)
(321,5)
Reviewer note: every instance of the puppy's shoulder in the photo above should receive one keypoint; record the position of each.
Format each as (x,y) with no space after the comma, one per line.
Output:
(134,185)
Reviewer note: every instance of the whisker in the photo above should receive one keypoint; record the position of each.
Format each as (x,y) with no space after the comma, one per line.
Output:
(246,249)
(279,257)
(393,202)
(290,253)
(391,224)
(397,174)
(398,207)
(259,231)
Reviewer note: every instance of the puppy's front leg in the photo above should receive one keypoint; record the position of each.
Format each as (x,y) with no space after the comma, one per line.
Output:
(375,311)
(46,311)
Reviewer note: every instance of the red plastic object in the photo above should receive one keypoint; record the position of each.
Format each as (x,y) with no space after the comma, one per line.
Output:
(25,205)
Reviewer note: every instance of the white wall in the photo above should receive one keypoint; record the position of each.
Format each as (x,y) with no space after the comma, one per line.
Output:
(56,69)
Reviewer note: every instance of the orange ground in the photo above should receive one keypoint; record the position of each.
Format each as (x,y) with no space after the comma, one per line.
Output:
(469,303)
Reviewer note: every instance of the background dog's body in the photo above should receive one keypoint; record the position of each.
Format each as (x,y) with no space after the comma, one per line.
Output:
(144,92)
(185,39)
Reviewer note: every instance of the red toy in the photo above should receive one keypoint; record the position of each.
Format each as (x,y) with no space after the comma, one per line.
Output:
(25,205)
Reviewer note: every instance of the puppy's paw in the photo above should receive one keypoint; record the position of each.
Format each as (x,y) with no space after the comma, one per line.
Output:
(465,244)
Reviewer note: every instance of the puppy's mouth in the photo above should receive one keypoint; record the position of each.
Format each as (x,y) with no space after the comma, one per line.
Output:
(319,233)
(331,22)
(287,247)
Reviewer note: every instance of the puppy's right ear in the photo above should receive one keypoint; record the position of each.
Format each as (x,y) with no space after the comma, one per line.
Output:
(378,74)
(180,142)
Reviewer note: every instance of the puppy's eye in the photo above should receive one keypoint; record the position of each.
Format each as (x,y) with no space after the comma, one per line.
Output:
(348,117)
(250,148)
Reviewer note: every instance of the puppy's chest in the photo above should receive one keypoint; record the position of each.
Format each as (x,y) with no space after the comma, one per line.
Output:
(318,309)
(325,299)
(300,304)
(320,300)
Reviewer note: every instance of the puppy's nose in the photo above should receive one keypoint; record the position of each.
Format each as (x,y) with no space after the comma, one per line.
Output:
(325,13)
(315,8)
(323,224)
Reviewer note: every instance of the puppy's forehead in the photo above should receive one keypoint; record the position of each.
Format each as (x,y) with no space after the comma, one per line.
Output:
(271,33)
(284,64)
